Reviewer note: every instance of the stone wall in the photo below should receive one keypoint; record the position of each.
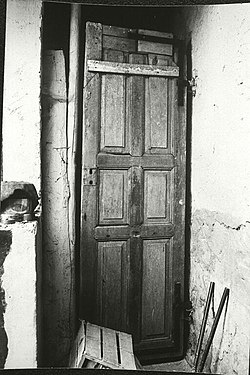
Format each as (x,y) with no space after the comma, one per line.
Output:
(220,176)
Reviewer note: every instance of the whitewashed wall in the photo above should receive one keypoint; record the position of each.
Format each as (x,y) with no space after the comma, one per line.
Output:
(21,111)
(21,284)
(58,262)
(220,175)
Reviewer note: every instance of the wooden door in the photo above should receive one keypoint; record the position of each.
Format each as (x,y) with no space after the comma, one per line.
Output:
(133,189)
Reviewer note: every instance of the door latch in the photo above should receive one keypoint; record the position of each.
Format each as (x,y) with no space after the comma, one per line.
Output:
(89,176)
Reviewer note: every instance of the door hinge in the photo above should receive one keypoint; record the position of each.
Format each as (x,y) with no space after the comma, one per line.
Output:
(192,85)
(89,176)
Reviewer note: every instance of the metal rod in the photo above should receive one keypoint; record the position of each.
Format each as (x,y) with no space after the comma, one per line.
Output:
(224,297)
(203,324)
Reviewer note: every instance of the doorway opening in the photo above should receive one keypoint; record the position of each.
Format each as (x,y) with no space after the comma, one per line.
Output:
(60,255)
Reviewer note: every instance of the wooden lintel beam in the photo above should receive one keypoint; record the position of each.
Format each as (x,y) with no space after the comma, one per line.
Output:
(132,69)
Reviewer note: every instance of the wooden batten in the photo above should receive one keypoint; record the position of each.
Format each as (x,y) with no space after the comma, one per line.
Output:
(131,69)
(158,34)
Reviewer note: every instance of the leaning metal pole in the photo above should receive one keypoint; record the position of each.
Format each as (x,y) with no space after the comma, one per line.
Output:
(224,298)
(203,324)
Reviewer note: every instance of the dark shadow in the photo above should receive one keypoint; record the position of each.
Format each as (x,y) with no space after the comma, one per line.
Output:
(2,53)
(188,307)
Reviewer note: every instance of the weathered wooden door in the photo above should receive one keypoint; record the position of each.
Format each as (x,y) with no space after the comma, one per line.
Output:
(133,189)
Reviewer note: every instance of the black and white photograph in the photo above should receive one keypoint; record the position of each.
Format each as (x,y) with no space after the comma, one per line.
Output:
(124,187)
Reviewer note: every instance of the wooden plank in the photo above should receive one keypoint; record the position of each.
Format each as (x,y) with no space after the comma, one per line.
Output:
(126,343)
(157,230)
(179,199)
(126,350)
(135,288)
(91,115)
(91,120)
(93,346)
(160,60)
(136,106)
(113,55)
(127,360)
(121,44)
(110,347)
(151,47)
(88,253)
(166,162)
(91,95)
(136,196)
(116,31)
(172,115)
(78,347)
(126,68)
(159,34)
(109,233)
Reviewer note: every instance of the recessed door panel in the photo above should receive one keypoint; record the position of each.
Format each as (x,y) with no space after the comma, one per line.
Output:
(156,122)
(113,124)
(156,196)
(156,289)
(112,277)
(113,197)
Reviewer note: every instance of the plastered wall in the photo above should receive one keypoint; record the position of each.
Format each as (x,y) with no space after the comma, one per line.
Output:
(21,105)
(220,176)
(58,262)
(20,288)
(20,295)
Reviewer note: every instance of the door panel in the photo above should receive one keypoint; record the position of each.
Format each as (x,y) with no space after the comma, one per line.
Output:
(113,122)
(131,258)
(156,122)
(155,297)
(157,197)
(113,203)
(112,292)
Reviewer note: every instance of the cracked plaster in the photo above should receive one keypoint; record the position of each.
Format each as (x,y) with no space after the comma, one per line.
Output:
(220,176)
